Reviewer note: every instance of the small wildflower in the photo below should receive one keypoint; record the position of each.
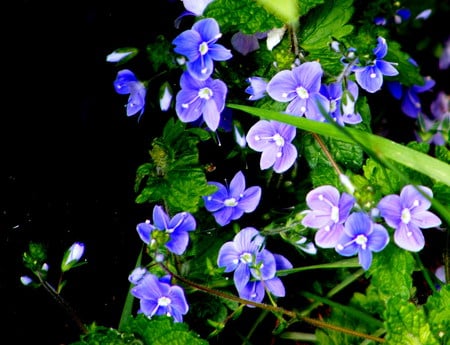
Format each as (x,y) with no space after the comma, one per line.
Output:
(257,88)
(72,256)
(127,83)
(25,280)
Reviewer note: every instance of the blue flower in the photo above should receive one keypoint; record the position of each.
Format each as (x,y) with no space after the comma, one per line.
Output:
(273,139)
(362,236)
(410,101)
(328,212)
(255,290)
(257,88)
(247,257)
(157,297)
(229,204)
(370,77)
(127,83)
(342,104)
(201,97)
(300,87)
(246,43)
(407,213)
(176,230)
(200,48)
(72,256)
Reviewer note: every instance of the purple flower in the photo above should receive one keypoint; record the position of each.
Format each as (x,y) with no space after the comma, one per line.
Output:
(437,129)
(127,83)
(407,214)
(200,48)
(444,59)
(255,290)
(176,230)
(362,236)
(247,257)
(328,212)
(72,256)
(273,139)
(230,203)
(370,77)
(246,43)
(411,105)
(257,88)
(200,97)
(342,104)
(157,297)
(300,86)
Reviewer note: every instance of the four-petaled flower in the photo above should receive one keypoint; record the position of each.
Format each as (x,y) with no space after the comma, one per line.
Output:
(300,86)
(273,139)
(230,203)
(200,48)
(407,213)
(362,236)
(158,297)
(201,97)
(175,229)
(257,88)
(127,83)
(370,77)
(329,211)
(247,257)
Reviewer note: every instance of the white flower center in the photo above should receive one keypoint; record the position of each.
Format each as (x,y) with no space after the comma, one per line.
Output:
(406,216)
(246,258)
(302,92)
(164,301)
(279,140)
(361,240)
(203,48)
(334,214)
(231,202)
(205,93)
(373,75)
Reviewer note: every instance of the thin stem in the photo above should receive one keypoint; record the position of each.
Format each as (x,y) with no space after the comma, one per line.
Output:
(63,303)
(327,153)
(268,307)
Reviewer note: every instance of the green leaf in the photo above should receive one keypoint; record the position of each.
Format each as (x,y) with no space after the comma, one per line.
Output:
(406,324)
(438,311)
(287,11)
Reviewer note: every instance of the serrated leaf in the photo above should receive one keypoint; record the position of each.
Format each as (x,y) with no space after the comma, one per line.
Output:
(438,311)
(406,324)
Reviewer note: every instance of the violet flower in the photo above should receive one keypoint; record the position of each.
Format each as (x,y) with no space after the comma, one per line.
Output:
(257,88)
(200,48)
(328,212)
(200,98)
(246,43)
(300,87)
(255,290)
(362,236)
(230,203)
(247,257)
(127,83)
(176,230)
(157,297)
(407,213)
(370,77)
(273,139)
(436,130)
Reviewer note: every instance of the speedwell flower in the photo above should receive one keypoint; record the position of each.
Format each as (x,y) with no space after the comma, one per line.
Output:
(370,77)
(247,257)
(200,97)
(273,139)
(257,88)
(160,298)
(329,211)
(300,87)
(362,236)
(72,256)
(127,83)
(230,203)
(173,232)
(200,48)
(407,213)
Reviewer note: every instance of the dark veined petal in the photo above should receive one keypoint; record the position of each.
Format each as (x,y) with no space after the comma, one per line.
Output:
(268,269)
(160,218)
(287,158)
(244,43)
(369,78)
(425,219)
(390,208)
(215,201)
(308,75)
(183,221)
(358,223)
(276,287)
(321,197)
(346,203)
(414,200)
(282,86)
(253,291)
(123,80)
(187,43)
(223,215)
(150,288)
(281,262)
(237,185)
(249,240)
(144,231)
(136,101)
(228,256)
(381,49)
(241,276)
(208,29)
(236,213)
(211,114)
(201,68)
(178,242)
(409,237)
(268,157)
(250,199)
(178,299)
(188,106)
(219,53)
(256,134)
(378,239)
(365,258)
(329,237)
(386,68)
(346,246)
(148,307)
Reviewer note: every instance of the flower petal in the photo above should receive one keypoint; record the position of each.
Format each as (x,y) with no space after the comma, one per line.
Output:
(409,237)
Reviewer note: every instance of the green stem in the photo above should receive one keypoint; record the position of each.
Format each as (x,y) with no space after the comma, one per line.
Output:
(271,308)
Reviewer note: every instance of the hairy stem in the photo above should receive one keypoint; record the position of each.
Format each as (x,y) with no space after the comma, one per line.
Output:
(327,153)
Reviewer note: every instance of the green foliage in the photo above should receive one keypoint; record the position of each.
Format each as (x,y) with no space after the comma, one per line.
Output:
(35,257)
(174,174)
(437,309)
(241,15)
(160,54)
(406,324)
(100,335)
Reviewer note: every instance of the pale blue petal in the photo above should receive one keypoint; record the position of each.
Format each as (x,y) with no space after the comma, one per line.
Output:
(378,239)
(268,157)
(261,129)
(369,78)
(365,258)
(409,237)
(160,218)
(250,199)
(215,201)
(237,185)
(381,49)
(414,200)
(287,159)
(276,287)
(386,68)
(268,269)
(425,219)
(223,215)
(228,256)
(308,75)
(187,43)
(281,262)
(144,231)
(211,114)
(208,29)
(241,276)
(329,238)
(178,242)
(219,53)
(390,208)
(282,87)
